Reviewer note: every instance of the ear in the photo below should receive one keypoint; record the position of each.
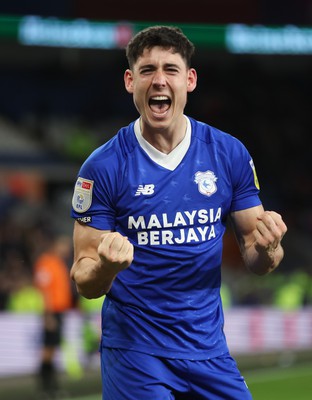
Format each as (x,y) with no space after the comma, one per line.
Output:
(128,79)
(191,80)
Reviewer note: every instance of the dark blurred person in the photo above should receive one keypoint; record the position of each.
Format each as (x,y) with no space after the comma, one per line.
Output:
(51,277)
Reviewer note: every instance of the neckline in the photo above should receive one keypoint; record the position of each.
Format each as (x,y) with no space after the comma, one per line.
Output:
(173,159)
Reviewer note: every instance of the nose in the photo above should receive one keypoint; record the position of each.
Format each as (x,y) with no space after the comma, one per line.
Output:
(159,78)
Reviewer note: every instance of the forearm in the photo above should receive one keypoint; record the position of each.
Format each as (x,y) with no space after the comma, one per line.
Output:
(92,279)
(262,261)
(98,257)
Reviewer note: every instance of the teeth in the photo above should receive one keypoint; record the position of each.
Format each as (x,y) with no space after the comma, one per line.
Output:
(159,98)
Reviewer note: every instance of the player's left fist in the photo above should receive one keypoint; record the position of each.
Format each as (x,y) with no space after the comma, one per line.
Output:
(270,230)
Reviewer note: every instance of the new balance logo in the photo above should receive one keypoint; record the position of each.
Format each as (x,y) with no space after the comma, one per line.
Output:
(145,190)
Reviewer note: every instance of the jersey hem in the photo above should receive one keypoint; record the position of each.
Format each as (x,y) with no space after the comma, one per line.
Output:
(165,353)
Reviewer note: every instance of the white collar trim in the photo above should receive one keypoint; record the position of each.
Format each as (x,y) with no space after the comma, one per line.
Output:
(169,161)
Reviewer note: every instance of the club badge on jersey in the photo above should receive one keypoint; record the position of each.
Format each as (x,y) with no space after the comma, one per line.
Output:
(82,197)
(206,182)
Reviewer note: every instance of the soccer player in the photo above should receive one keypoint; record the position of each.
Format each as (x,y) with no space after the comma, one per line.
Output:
(151,207)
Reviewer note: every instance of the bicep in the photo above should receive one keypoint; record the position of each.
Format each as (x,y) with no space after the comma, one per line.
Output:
(244,223)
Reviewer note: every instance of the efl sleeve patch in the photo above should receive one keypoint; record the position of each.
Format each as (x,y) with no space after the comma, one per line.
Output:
(82,198)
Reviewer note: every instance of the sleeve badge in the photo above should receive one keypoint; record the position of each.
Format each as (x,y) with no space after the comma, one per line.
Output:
(82,197)
(254,174)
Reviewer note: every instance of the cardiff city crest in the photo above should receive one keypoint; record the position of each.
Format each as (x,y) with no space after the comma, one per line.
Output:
(206,182)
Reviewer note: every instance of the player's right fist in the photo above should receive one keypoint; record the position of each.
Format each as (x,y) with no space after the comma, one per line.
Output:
(115,251)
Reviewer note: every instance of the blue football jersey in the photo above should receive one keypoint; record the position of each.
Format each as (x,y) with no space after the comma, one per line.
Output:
(168,301)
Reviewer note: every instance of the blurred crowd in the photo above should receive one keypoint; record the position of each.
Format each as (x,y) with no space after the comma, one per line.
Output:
(21,243)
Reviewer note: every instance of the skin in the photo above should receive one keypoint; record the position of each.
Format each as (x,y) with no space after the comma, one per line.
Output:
(160,72)
(100,255)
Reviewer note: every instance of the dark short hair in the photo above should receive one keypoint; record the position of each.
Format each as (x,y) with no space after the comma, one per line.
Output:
(168,37)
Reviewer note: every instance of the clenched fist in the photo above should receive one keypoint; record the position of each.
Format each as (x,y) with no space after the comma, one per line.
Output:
(115,250)
(270,230)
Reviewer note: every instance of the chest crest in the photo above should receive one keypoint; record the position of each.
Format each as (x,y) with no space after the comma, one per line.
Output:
(206,182)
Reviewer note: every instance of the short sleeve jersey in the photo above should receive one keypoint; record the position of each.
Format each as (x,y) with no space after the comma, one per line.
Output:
(167,303)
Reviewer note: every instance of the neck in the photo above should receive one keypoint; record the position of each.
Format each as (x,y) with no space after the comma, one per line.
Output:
(166,139)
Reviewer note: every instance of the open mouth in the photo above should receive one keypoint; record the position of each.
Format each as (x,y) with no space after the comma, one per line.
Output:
(159,104)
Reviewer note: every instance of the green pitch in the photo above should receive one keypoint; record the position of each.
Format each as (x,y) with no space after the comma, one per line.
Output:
(281,383)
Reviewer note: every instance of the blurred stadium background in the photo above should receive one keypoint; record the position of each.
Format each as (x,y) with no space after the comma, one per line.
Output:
(62,95)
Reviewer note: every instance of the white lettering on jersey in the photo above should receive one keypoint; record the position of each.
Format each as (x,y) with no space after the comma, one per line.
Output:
(145,190)
(151,232)
(189,235)
(182,218)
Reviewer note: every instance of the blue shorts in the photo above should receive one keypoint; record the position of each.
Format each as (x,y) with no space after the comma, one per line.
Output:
(130,375)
